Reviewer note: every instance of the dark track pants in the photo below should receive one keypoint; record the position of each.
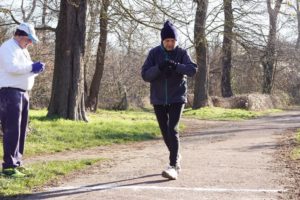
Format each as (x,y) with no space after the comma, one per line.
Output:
(14,106)
(168,117)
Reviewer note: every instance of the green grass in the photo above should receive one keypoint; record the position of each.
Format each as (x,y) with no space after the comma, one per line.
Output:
(43,173)
(104,128)
(215,113)
(295,154)
(50,135)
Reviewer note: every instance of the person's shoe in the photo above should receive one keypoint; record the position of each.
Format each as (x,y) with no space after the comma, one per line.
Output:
(178,167)
(170,173)
(13,173)
(24,170)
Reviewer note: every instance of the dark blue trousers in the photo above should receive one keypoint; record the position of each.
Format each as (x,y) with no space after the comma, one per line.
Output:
(168,117)
(14,107)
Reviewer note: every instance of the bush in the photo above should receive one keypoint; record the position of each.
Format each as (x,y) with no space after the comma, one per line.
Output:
(253,101)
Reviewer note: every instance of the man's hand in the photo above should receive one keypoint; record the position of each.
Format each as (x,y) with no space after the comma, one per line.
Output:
(163,65)
(173,64)
(38,67)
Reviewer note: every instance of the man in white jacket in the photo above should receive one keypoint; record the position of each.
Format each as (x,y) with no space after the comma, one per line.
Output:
(17,73)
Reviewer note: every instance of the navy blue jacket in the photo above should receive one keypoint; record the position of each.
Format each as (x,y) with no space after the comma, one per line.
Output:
(172,88)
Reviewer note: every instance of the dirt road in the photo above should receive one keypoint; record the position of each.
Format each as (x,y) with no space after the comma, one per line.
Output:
(234,161)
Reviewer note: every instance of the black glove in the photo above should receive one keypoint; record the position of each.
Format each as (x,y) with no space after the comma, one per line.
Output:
(173,64)
(163,65)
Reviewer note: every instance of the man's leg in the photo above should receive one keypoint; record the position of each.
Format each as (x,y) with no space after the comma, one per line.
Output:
(24,123)
(161,112)
(2,106)
(11,122)
(174,114)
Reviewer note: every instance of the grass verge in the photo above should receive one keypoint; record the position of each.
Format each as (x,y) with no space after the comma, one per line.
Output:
(42,173)
(50,135)
(295,154)
(216,113)
(104,127)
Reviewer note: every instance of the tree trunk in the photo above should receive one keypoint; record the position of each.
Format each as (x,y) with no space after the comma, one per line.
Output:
(227,50)
(92,101)
(44,14)
(298,19)
(67,98)
(94,12)
(201,80)
(268,59)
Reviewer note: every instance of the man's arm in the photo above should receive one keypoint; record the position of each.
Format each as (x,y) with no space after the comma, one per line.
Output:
(187,67)
(11,63)
(150,71)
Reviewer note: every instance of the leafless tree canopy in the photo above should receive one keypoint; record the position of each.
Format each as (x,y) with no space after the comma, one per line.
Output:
(239,46)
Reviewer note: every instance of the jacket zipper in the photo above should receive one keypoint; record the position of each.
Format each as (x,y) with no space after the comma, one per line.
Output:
(166,90)
(166,80)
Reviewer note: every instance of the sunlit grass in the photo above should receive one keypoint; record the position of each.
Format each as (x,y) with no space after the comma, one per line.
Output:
(104,127)
(50,135)
(41,174)
(216,113)
(295,154)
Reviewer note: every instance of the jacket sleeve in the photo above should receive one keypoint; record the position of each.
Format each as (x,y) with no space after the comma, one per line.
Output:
(11,63)
(150,71)
(187,67)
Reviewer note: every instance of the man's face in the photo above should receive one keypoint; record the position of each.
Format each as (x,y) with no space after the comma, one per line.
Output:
(169,44)
(24,41)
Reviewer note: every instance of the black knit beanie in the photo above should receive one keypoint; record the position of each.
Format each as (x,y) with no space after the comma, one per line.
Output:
(168,31)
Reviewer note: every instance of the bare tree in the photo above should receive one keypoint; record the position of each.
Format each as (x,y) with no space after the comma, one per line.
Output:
(295,6)
(134,26)
(227,49)
(44,16)
(125,19)
(200,43)
(91,37)
(297,9)
(268,59)
(92,100)
(31,10)
(67,98)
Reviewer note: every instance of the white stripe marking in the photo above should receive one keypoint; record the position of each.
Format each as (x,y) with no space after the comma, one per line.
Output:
(141,187)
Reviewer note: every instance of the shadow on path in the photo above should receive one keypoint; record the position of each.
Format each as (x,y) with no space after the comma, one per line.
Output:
(91,188)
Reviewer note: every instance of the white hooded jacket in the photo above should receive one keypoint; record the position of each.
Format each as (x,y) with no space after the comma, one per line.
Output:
(15,66)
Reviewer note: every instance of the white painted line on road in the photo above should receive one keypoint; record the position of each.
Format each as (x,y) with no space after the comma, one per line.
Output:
(201,189)
(142,187)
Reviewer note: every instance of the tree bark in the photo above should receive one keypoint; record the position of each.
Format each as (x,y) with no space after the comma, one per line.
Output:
(67,98)
(44,14)
(94,12)
(227,50)
(268,59)
(92,101)
(298,19)
(201,98)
